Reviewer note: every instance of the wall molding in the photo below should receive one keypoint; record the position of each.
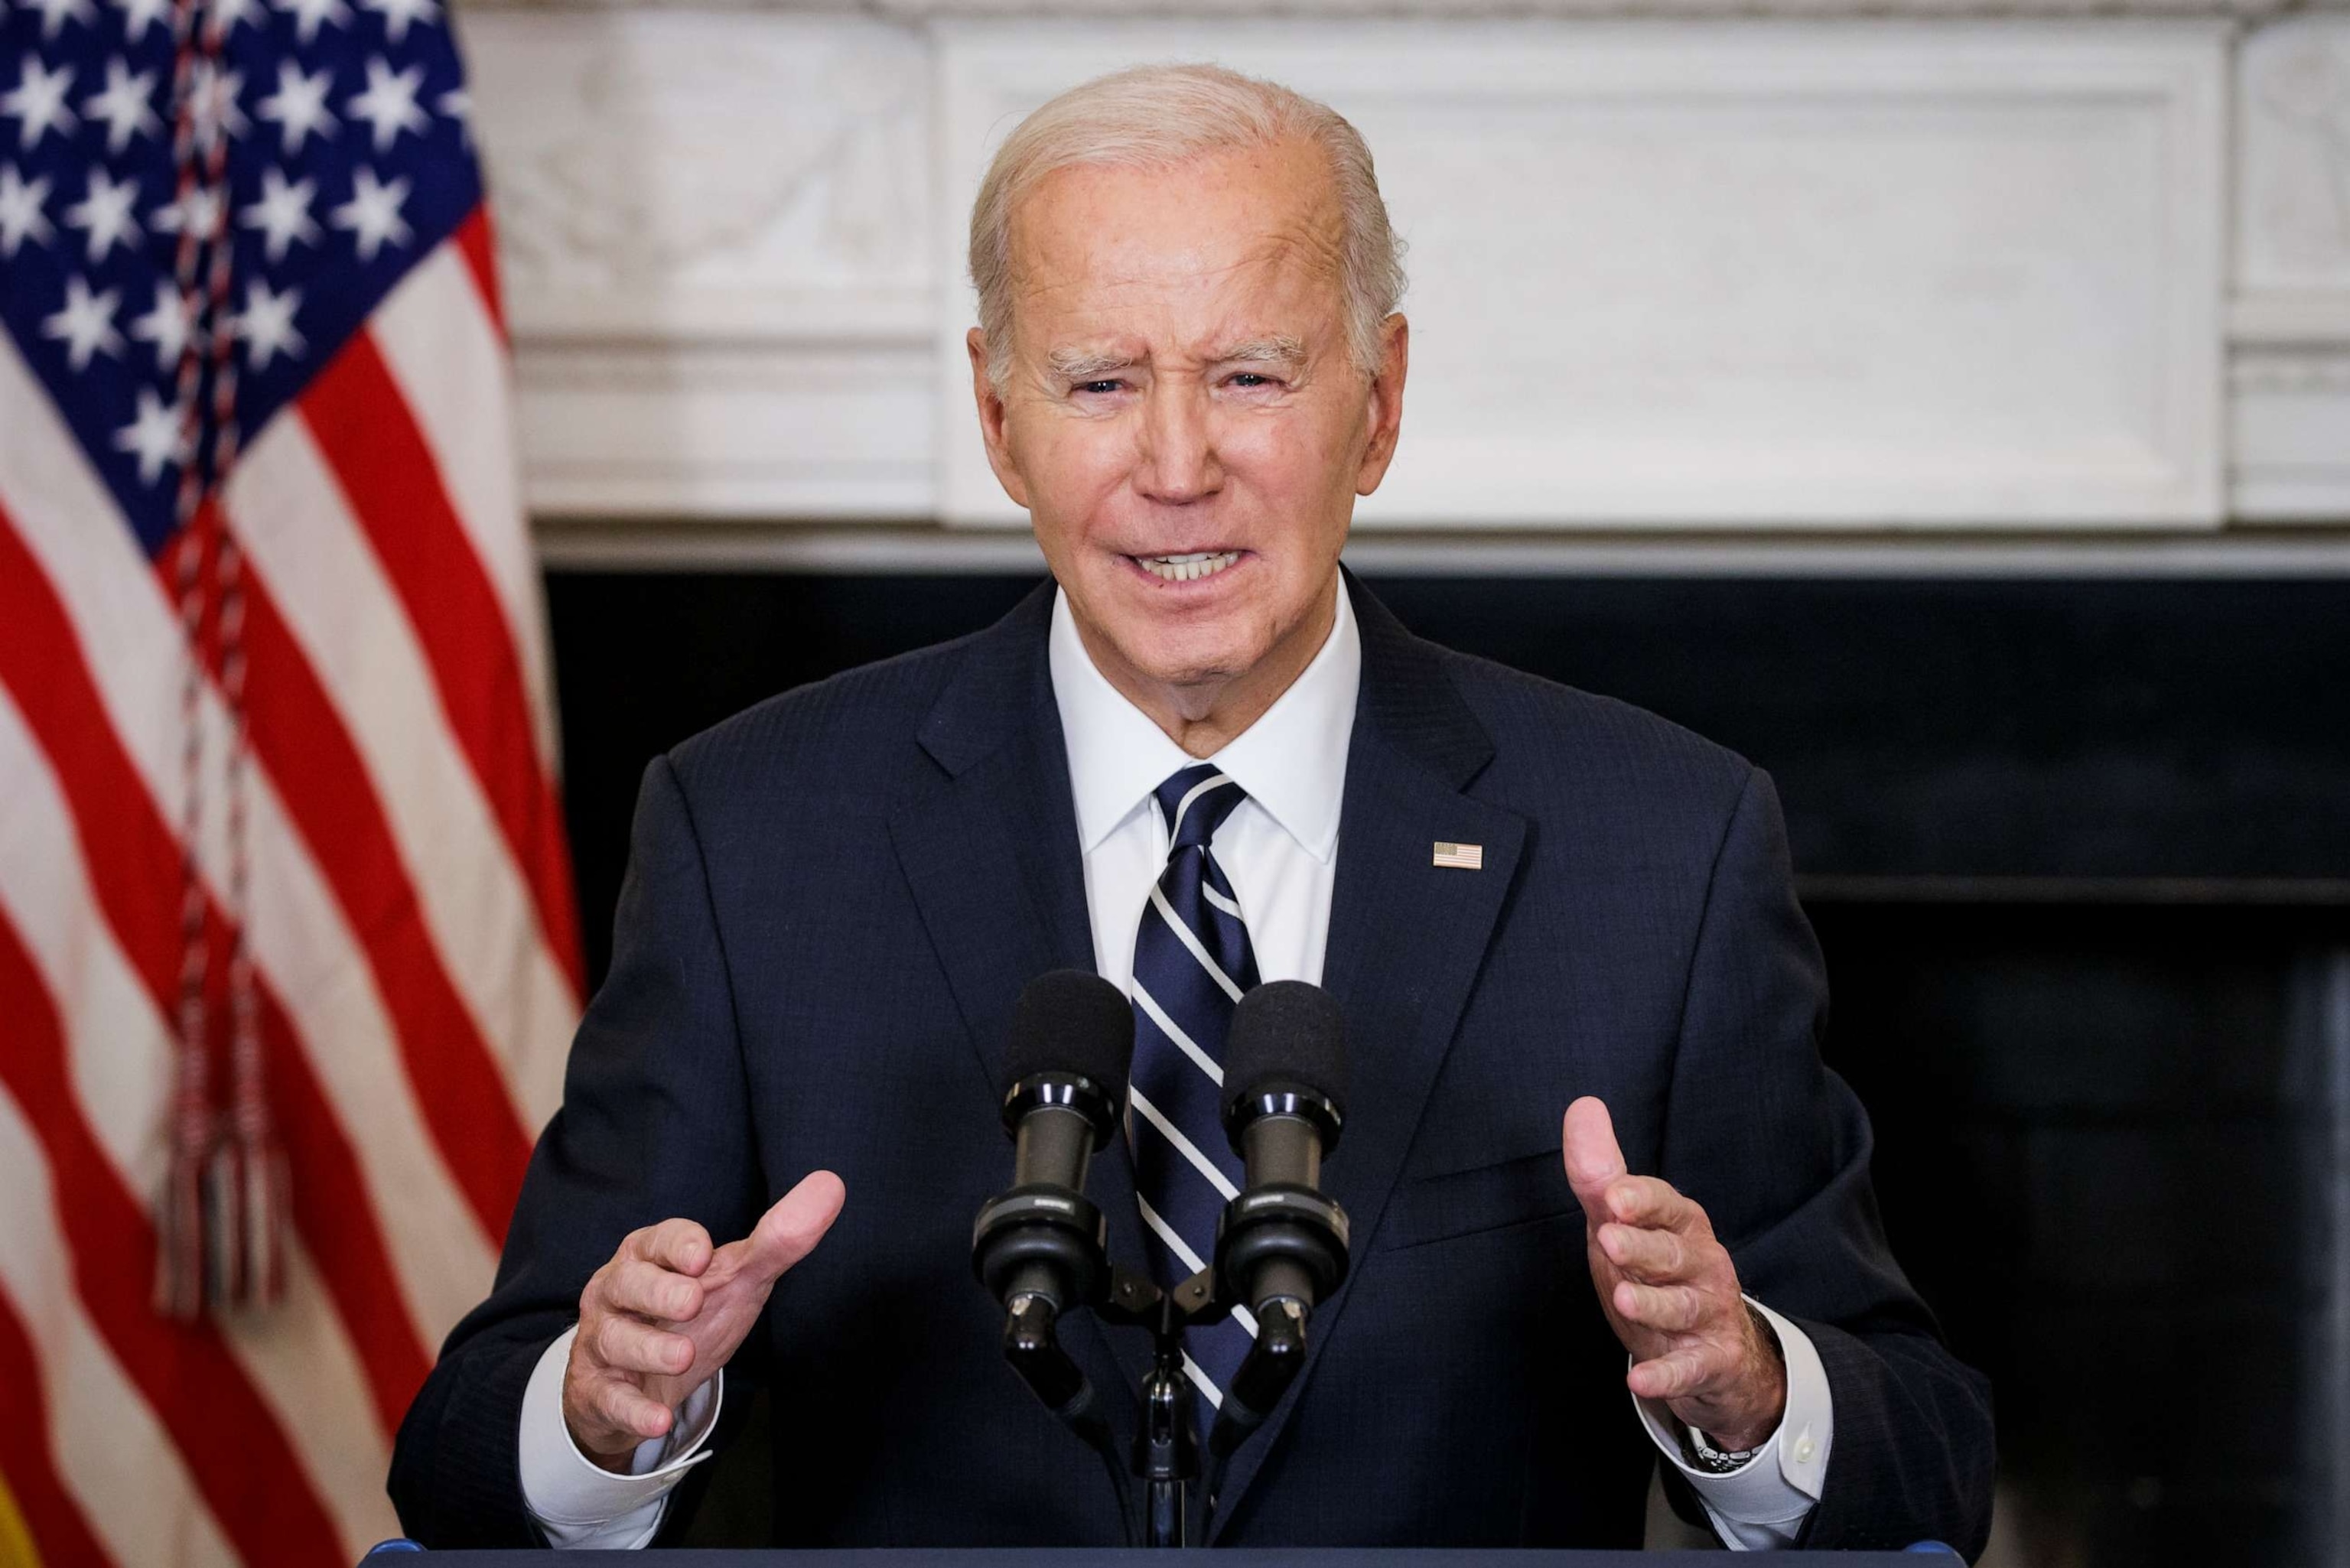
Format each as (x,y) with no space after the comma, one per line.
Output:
(731,238)
(1778,275)
(911,547)
(1575,10)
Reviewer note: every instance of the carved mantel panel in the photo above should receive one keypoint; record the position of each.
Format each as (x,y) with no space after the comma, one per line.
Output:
(1870,273)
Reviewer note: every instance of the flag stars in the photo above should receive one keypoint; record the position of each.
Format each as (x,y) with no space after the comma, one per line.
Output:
(282,214)
(457,104)
(298,108)
(38,102)
(267,324)
(372,214)
(388,104)
(170,326)
(226,13)
(310,15)
(21,217)
(124,106)
(137,16)
(199,212)
(397,13)
(213,109)
(85,325)
(157,436)
(55,13)
(104,214)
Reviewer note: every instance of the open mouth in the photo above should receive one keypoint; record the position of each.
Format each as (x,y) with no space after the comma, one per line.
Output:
(1187,568)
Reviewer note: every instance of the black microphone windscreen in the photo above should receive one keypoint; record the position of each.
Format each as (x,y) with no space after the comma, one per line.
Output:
(1070,1021)
(1286,1032)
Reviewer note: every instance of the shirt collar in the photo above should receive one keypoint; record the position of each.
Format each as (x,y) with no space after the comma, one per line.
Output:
(1292,761)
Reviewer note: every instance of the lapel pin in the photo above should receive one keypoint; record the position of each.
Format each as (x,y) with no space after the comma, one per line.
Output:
(1460,857)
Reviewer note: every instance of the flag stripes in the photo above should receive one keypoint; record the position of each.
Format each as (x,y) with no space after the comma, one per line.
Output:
(42,867)
(476,246)
(119,1046)
(323,587)
(116,804)
(181,1371)
(446,353)
(107,1449)
(299,741)
(119,1049)
(367,430)
(411,924)
(44,1510)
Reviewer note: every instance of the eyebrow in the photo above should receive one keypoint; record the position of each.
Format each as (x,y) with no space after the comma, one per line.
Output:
(1083,364)
(1282,349)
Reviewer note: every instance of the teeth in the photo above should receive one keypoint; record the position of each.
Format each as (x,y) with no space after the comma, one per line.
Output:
(1186,568)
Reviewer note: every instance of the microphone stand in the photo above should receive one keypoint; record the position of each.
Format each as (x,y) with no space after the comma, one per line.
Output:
(1165,1453)
(1041,1250)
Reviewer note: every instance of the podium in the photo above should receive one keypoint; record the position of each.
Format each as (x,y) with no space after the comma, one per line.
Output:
(1923,1556)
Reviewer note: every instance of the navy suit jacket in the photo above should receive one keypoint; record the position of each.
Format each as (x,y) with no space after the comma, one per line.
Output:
(833,900)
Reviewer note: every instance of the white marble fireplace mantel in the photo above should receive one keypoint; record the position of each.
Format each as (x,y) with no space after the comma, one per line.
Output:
(1868,274)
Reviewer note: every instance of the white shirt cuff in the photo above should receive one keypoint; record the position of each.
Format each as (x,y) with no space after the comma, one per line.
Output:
(1759,1506)
(577,1502)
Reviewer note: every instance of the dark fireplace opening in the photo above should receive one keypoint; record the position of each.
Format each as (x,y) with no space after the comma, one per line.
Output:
(2078,854)
(2107,1155)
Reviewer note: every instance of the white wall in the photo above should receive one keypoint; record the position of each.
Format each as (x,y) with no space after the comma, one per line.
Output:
(1782,290)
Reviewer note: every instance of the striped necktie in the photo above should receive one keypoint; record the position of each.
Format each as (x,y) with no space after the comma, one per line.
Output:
(1191,961)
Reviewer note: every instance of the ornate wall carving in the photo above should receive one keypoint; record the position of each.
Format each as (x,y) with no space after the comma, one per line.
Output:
(1869,275)
(1849,275)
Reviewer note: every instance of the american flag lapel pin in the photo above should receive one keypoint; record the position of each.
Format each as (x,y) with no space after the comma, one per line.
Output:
(1460,857)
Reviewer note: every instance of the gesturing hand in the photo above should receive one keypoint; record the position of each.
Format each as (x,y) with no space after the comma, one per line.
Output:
(659,1320)
(1672,1293)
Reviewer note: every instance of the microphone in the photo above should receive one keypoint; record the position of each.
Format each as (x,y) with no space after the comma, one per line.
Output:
(1039,1247)
(1281,1246)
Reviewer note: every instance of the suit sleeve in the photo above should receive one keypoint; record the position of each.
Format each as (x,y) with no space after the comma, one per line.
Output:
(1777,1147)
(655,1123)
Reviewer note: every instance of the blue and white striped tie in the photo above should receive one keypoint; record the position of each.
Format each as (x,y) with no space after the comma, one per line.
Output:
(1191,961)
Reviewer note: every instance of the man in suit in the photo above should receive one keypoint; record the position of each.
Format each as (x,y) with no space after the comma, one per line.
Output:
(1205,757)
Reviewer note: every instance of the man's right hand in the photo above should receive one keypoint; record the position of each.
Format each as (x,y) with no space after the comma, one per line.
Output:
(659,1320)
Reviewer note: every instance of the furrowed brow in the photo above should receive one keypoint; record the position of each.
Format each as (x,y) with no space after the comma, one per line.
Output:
(1277,350)
(1084,365)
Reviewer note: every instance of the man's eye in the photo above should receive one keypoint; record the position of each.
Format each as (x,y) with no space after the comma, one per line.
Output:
(1252,380)
(1099,387)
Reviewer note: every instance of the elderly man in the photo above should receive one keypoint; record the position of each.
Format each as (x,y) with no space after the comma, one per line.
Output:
(1201,758)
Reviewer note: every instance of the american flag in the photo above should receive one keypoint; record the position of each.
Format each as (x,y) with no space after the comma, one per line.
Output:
(281,858)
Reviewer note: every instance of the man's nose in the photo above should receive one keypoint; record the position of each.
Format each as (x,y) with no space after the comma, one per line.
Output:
(1177,461)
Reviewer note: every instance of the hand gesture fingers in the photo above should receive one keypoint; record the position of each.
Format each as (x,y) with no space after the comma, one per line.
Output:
(785,1234)
(625,1409)
(651,1291)
(1594,1160)
(1654,1205)
(1667,1309)
(670,1309)
(1668,1288)
(679,1246)
(620,1343)
(1652,1256)
(1677,1373)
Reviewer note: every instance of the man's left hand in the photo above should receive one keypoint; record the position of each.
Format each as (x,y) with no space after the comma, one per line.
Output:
(1670,1293)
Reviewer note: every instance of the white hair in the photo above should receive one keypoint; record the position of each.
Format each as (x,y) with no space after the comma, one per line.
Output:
(1151,117)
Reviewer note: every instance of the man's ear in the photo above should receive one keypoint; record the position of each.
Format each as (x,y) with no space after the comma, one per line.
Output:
(1385,403)
(991,420)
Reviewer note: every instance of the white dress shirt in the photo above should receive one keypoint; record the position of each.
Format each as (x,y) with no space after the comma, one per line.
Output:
(1279,847)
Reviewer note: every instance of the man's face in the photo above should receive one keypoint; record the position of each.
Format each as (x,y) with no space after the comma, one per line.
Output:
(1181,388)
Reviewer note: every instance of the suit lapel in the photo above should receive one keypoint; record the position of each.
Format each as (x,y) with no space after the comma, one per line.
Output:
(989,844)
(1407,936)
(989,847)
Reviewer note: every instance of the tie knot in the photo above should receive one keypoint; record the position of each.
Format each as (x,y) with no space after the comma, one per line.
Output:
(1194,803)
